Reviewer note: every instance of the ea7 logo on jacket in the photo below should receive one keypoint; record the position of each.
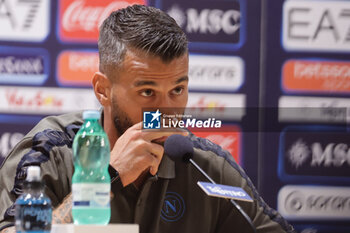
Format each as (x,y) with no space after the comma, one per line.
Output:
(173,207)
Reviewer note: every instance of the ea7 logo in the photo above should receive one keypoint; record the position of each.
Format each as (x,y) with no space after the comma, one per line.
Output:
(316,25)
(24,20)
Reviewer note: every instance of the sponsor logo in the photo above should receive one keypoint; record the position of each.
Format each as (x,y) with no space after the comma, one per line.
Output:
(79,20)
(314,153)
(76,68)
(316,76)
(316,25)
(205,22)
(173,207)
(24,20)
(222,106)
(229,138)
(314,202)
(23,66)
(313,109)
(8,140)
(219,73)
(314,228)
(28,100)
(224,191)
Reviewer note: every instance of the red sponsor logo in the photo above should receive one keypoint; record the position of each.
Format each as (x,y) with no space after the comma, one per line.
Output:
(229,139)
(204,102)
(77,67)
(316,76)
(79,20)
(39,99)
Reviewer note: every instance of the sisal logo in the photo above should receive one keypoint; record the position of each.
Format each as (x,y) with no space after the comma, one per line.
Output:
(23,66)
(24,20)
(76,68)
(316,25)
(207,21)
(215,73)
(29,100)
(314,109)
(8,140)
(296,202)
(316,76)
(79,20)
(229,138)
(314,153)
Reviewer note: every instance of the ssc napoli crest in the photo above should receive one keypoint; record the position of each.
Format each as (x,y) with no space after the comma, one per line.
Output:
(173,207)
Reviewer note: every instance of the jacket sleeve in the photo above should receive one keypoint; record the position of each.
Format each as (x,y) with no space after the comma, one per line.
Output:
(49,149)
(264,218)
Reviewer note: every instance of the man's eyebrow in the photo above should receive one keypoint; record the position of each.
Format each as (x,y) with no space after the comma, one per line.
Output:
(185,78)
(144,83)
(140,83)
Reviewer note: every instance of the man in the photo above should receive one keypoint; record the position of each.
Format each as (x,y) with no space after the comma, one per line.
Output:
(143,63)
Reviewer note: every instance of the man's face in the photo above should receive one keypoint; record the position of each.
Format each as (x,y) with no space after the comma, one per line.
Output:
(146,82)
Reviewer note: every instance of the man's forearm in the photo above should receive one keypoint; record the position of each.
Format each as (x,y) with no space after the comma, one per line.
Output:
(63,213)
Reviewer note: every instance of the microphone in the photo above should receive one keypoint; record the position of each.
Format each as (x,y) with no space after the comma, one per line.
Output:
(180,149)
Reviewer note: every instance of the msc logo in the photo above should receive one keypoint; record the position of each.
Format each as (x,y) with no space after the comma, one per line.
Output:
(151,120)
(173,207)
(314,153)
(204,22)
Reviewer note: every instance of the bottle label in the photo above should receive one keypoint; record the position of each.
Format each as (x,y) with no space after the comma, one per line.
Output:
(31,218)
(91,195)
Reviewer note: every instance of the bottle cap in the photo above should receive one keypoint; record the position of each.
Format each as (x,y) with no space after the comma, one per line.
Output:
(91,114)
(33,173)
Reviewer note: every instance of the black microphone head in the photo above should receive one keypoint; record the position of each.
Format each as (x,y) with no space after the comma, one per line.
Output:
(178,148)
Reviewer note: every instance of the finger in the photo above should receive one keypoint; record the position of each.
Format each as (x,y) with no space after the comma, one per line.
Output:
(151,135)
(137,126)
(154,168)
(156,150)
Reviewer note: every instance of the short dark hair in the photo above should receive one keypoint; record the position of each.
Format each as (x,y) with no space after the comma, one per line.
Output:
(143,28)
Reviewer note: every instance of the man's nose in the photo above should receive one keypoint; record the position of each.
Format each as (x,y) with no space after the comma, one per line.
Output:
(165,102)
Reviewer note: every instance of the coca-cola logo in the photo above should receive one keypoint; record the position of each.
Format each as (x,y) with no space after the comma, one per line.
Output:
(80,19)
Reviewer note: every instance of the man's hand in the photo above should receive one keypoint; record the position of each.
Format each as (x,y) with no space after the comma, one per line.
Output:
(136,151)
(63,213)
(9,230)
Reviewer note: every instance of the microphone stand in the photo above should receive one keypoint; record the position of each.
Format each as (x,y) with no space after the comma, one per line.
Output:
(238,207)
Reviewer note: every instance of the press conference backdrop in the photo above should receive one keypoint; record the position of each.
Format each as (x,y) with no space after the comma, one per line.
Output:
(285,63)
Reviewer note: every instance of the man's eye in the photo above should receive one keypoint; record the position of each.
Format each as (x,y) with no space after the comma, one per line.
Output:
(147,93)
(177,90)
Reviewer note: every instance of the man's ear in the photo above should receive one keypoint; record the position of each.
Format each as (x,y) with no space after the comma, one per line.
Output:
(102,88)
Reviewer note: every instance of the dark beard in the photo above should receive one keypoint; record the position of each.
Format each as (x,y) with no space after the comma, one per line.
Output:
(121,120)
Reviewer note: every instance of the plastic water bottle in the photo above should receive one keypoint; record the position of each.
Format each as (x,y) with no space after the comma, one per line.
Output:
(91,181)
(33,211)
